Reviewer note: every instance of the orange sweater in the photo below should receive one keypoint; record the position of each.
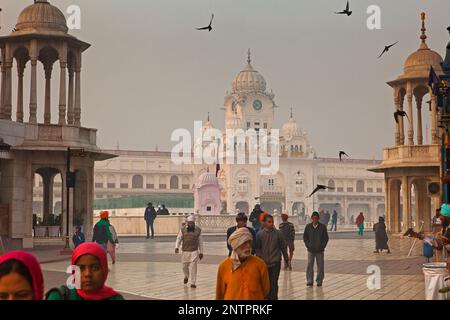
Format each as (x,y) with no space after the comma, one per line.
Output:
(249,282)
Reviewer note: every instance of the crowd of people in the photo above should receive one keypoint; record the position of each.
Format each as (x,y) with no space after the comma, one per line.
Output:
(250,272)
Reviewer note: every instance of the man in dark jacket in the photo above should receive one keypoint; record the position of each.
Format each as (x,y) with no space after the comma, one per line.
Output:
(288,230)
(270,246)
(255,218)
(241,222)
(164,211)
(315,237)
(150,216)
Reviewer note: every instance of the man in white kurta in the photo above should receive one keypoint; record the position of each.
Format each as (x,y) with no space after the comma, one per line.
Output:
(191,241)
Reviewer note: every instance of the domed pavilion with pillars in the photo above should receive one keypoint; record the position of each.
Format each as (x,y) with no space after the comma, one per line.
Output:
(39,146)
(411,164)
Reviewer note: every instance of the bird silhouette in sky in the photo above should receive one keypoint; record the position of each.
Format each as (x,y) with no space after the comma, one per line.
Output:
(400,113)
(342,153)
(320,187)
(209,27)
(386,49)
(346,11)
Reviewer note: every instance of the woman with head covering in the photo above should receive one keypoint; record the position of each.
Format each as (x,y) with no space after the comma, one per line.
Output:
(360,224)
(91,261)
(381,237)
(242,276)
(20,277)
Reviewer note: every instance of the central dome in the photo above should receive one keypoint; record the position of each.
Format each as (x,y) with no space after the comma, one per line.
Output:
(42,18)
(249,80)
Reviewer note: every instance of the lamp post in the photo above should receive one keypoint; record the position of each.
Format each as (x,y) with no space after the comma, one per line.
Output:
(70,184)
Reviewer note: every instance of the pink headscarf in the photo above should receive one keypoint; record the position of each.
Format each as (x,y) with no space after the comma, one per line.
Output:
(99,252)
(33,267)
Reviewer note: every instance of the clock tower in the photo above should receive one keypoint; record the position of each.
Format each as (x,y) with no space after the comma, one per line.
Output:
(249,105)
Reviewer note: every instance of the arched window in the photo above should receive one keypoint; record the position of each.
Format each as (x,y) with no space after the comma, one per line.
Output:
(150,182)
(360,186)
(98,181)
(174,182)
(137,182)
(111,182)
(124,182)
(185,183)
(296,148)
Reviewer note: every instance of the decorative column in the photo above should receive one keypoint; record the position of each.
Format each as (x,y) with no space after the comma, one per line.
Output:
(48,78)
(62,94)
(406,194)
(419,121)
(7,104)
(2,98)
(33,90)
(70,111)
(402,121)
(20,70)
(433,120)
(397,124)
(77,110)
(409,96)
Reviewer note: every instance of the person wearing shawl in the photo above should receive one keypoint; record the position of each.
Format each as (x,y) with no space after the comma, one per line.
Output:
(191,241)
(381,237)
(288,231)
(242,276)
(20,277)
(360,224)
(92,262)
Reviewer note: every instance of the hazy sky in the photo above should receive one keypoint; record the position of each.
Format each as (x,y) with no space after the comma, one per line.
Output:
(148,71)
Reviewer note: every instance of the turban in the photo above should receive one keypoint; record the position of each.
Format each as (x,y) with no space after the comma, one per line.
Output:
(284,217)
(237,239)
(104,214)
(262,217)
(445,210)
(191,218)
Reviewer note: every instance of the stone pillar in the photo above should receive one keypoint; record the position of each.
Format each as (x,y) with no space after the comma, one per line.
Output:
(2,97)
(406,194)
(47,106)
(62,93)
(33,91)
(70,111)
(393,213)
(433,121)
(20,70)
(419,121)
(47,182)
(409,96)
(7,104)
(397,125)
(402,121)
(77,97)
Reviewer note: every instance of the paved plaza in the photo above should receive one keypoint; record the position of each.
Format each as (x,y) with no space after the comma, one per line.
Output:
(150,270)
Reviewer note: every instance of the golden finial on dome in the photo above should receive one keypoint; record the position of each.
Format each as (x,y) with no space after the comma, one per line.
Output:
(249,56)
(423,36)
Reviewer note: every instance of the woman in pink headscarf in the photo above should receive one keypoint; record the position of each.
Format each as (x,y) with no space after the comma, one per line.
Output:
(92,262)
(20,277)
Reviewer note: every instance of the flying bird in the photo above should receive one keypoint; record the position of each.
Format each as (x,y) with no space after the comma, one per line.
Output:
(342,153)
(320,187)
(386,49)
(400,113)
(209,27)
(346,11)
